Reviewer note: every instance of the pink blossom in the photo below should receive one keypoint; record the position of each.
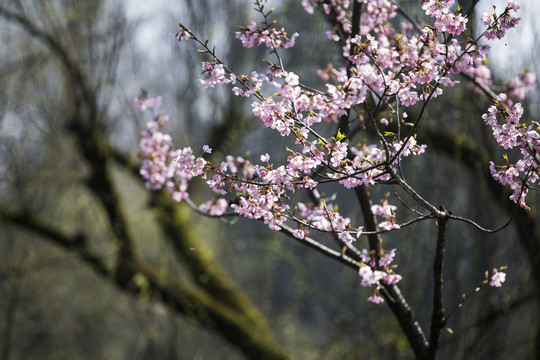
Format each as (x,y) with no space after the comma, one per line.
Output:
(388,225)
(365,256)
(300,233)
(307,6)
(309,183)
(252,36)
(408,97)
(498,26)
(497,279)
(391,279)
(187,164)
(445,19)
(323,75)
(512,134)
(157,148)
(369,276)
(376,299)
(181,35)
(520,85)
(332,36)
(387,258)
(346,237)
(143,102)
(214,207)
(214,74)
(386,210)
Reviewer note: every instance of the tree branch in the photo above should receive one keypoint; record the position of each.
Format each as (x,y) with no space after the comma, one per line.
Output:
(438,319)
(333,254)
(195,303)
(176,223)
(80,88)
(392,294)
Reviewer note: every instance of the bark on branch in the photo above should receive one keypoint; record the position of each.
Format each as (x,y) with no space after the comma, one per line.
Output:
(395,300)
(438,320)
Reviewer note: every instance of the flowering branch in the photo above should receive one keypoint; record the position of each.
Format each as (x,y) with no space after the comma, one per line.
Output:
(438,317)
(385,69)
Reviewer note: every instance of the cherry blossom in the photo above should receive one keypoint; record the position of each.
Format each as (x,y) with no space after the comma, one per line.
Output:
(214,74)
(393,68)
(497,279)
(181,35)
(509,133)
(143,102)
(499,25)
(214,207)
(252,36)
(376,299)
(520,85)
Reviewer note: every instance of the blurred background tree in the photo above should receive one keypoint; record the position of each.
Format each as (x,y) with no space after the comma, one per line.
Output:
(95,267)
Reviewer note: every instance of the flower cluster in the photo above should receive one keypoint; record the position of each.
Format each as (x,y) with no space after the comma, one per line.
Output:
(388,213)
(324,217)
(163,166)
(446,21)
(510,133)
(156,149)
(252,36)
(384,67)
(143,102)
(214,74)
(214,207)
(499,25)
(519,85)
(376,271)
